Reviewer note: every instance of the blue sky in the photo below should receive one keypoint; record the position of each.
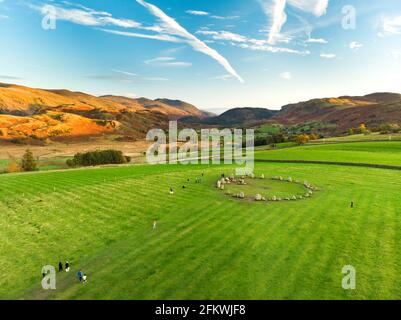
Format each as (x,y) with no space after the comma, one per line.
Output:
(214,54)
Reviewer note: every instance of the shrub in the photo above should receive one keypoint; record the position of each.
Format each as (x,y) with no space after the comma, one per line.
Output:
(302,139)
(94,158)
(13,166)
(28,162)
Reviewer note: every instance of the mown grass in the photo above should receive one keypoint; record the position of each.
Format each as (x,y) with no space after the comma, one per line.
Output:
(206,246)
(44,164)
(376,136)
(388,153)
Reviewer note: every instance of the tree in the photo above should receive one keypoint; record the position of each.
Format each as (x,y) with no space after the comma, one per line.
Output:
(313,137)
(302,139)
(362,128)
(28,162)
(351,132)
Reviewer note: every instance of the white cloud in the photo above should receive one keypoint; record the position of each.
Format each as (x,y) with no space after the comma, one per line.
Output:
(161,37)
(126,73)
(225,17)
(390,26)
(328,55)
(285,75)
(3,16)
(275,10)
(167,62)
(89,17)
(173,28)
(355,46)
(248,43)
(318,40)
(197,13)
(316,7)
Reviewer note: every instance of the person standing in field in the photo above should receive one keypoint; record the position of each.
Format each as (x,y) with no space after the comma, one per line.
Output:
(79,275)
(60,266)
(352,204)
(67,266)
(154,225)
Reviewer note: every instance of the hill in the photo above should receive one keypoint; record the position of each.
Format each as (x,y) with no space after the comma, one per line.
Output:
(237,117)
(344,112)
(28,113)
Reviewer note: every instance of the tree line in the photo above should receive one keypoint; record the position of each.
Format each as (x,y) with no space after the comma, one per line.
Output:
(98,157)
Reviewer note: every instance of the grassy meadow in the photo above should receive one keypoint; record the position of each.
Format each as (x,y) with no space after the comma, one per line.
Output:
(387,153)
(207,245)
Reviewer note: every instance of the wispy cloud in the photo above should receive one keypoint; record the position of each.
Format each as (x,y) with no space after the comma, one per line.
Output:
(275,11)
(316,7)
(161,37)
(167,62)
(82,15)
(3,16)
(223,77)
(317,40)
(328,55)
(224,17)
(173,28)
(355,46)
(390,26)
(126,73)
(197,13)
(248,43)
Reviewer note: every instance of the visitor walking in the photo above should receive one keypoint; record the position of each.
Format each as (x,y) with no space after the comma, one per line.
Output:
(67,266)
(60,266)
(80,275)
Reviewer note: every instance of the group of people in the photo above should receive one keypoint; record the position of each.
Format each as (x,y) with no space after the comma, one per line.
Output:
(82,277)
(60,266)
(197,180)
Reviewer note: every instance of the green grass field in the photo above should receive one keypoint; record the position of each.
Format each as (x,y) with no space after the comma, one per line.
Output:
(388,153)
(206,245)
(44,164)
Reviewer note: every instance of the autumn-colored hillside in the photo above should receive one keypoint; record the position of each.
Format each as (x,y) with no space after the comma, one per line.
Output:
(28,113)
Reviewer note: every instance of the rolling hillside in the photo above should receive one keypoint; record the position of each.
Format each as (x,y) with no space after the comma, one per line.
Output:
(27,113)
(344,112)
(36,115)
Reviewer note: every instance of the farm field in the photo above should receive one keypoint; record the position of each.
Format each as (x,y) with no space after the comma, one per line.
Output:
(388,153)
(362,137)
(207,245)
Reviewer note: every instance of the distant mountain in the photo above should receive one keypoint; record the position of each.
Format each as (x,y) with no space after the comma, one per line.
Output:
(28,113)
(237,117)
(344,112)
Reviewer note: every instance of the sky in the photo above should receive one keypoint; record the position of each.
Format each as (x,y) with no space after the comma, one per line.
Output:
(215,54)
